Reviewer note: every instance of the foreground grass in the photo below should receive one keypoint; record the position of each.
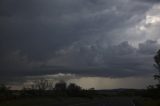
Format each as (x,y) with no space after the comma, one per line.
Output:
(151,103)
(43,101)
(147,102)
(67,101)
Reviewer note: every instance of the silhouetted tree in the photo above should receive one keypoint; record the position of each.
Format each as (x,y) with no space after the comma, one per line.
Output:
(4,88)
(39,87)
(73,87)
(4,91)
(74,90)
(157,66)
(154,91)
(41,84)
(60,86)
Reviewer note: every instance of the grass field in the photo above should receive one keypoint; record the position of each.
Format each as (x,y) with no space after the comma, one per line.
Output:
(151,103)
(147,102)
(48,101)
(43,101)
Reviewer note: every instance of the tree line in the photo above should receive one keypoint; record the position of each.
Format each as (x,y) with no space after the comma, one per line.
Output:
(46,88)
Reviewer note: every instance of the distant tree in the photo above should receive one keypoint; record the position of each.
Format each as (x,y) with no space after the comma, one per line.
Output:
(60,86)
(74,90)
(152,90)
(73,87)
(38,87)
(4,90)
(157,66)
(41,84)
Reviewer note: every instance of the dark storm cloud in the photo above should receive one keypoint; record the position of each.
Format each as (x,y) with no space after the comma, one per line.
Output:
(149,47)
(115,61)
(51,36)
(121,60)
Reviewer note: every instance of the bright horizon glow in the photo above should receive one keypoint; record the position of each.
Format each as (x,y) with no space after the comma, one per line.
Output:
(87,82)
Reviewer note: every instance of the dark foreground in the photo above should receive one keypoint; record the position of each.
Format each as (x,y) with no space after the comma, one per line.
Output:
(110,101)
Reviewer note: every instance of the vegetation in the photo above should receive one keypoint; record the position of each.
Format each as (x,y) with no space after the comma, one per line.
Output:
(153,91)
(151,102)
(45,88)
(157,66)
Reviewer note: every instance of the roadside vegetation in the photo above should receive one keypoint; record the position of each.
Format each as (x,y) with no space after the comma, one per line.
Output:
(151,96)
(153,91)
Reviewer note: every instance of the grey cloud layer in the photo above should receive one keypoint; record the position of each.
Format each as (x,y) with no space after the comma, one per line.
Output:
(115,61)
(78,36)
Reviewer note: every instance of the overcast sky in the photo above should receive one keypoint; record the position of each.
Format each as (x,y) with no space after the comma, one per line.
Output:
(103,38)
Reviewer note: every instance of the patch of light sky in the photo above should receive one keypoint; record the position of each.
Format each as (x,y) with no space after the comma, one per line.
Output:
(149,26)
